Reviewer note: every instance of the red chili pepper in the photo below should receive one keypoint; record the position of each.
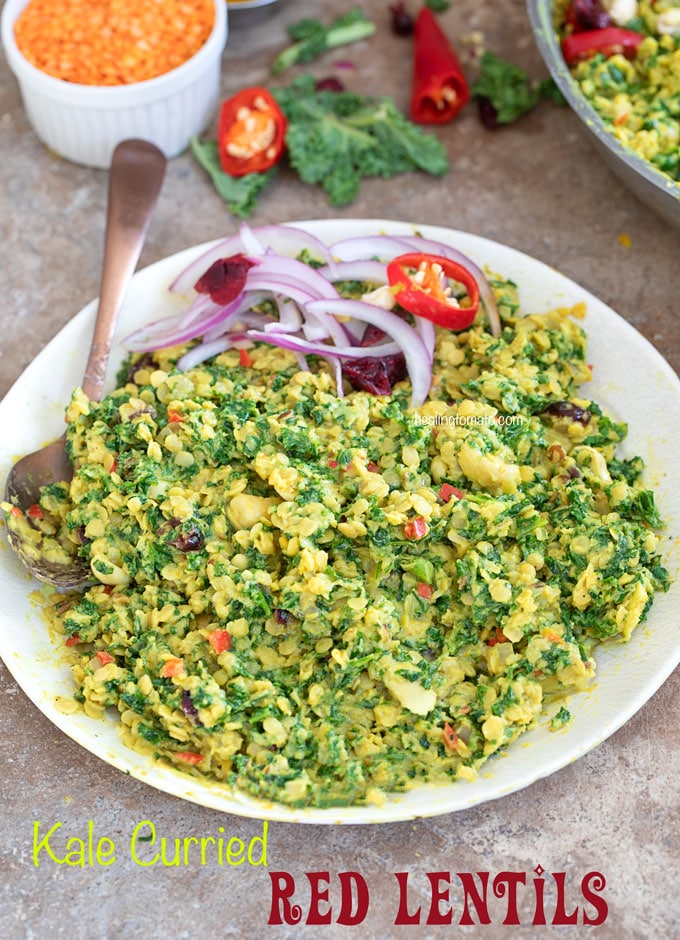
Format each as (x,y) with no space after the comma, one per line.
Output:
(252,132)
(174,417)
(189,757)
(416,529)
(424,294)
(172,667)
(439,86)
(34,511)
(16,512)
(499,637)
(220,640)
(333,463)
(244,358)
(425,590)
(373,467)
(450,737)
(73,640)
(446,491)
(608,42)
(104,657)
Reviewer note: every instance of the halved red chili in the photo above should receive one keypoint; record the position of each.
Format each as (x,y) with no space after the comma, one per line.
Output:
(610,41)
(251,136)
(440,88)
(450,737)
(419,283)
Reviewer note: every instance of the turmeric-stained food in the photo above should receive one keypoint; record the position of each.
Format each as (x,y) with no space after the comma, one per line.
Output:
(321,599)
(625,56)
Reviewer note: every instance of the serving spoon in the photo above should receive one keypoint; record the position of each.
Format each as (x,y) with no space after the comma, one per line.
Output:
(135,180)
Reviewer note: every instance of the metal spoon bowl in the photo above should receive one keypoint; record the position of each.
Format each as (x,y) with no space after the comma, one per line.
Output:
(135,180)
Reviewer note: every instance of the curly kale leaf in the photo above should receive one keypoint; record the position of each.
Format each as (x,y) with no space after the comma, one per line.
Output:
(239,192)
(336,138)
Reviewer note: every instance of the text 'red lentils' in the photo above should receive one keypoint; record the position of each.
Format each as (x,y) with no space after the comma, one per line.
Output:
(112,42)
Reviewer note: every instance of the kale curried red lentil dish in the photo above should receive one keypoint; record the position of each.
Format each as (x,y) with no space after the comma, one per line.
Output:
(322,583)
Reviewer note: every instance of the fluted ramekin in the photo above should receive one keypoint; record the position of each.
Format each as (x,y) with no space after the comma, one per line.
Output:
(84,123)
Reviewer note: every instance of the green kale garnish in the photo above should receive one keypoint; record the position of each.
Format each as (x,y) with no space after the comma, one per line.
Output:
(509,90)
(336,138)
(333,139)
(239,192)
(312,38)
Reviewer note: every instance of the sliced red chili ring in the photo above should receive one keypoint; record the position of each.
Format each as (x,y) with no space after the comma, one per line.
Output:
(423,293)
(251,135)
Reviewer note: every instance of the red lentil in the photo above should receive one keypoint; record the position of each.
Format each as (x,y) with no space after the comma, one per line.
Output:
(112,42)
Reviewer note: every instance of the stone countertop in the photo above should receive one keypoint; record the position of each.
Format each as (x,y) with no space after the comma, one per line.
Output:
(536,186)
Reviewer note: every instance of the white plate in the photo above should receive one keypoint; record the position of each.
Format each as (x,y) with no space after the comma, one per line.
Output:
(631,381)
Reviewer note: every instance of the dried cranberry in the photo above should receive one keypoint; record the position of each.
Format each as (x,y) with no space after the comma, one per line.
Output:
(374,375)
(145,362)
(565,409)
(372,335)
(487,113)
(591,14)
(402,21)
(188,706)
(80,532)
(330,83)
(189,540)
(225,279)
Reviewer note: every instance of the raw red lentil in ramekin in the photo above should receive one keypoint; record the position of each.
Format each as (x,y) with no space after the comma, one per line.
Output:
(112,42)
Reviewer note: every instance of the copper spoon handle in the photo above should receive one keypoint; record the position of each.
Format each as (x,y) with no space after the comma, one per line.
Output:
(135,180)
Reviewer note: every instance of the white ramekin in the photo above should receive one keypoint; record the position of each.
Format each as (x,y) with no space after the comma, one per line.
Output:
(84,123)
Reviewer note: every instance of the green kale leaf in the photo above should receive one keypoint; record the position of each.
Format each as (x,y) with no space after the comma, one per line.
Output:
(312,38)
(336,138)
(239,192)
(509,90)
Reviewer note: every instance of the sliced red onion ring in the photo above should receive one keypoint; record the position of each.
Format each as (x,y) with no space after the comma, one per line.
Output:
(157,329)
(368,247)
(293,272)
(299,344)
(425,330)
(313,330)
(235,312)
(373,271)
(251,243)
(290,318)
(202,352)
(285,240)
(292,288)
(278,284)
(409,342)
(336,366)
(175,333)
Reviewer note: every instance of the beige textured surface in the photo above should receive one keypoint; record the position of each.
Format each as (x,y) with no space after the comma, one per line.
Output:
(536,186)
